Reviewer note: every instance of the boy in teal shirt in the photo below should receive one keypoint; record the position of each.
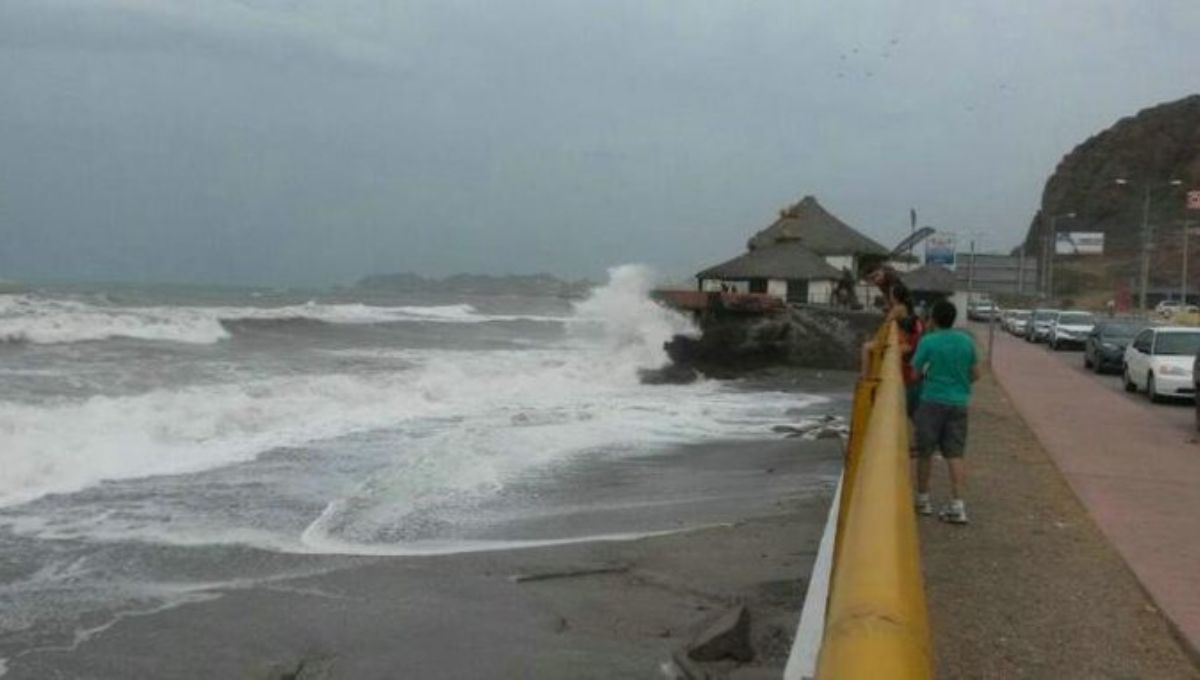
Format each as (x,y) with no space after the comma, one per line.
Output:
(946,357)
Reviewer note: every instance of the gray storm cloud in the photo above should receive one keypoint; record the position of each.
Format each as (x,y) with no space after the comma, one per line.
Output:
(309,143)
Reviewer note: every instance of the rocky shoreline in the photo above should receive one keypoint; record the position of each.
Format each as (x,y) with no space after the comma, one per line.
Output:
(735,345)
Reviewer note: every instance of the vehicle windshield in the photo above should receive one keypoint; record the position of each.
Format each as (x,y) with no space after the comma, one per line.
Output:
(1021,314)
(1044,315)
(1119,331)
(1076,319)
(1177,344)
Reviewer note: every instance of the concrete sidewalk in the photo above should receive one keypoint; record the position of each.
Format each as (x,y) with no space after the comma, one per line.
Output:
(1031,588)
(1137,475)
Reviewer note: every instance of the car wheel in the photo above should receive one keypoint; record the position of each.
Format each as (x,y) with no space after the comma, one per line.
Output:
(1130,386)
(1151,393)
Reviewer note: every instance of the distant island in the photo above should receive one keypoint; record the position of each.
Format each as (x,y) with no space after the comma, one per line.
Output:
(479,284)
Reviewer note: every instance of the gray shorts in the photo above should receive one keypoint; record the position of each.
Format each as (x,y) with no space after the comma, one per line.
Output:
(941,427)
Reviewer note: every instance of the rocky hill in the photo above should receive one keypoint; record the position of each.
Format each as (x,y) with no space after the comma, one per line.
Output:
(1158,144)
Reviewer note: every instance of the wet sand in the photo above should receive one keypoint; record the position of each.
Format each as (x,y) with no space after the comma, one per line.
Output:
(748,518)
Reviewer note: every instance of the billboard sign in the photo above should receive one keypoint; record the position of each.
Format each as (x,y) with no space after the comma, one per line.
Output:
(1079,243)
(940,249)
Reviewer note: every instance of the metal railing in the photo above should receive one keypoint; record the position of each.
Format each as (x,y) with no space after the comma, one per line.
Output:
(876,625)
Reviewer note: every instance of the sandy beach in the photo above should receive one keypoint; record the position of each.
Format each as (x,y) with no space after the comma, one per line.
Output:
(748,528)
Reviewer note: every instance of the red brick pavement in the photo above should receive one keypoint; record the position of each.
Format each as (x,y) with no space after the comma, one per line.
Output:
(1137,474)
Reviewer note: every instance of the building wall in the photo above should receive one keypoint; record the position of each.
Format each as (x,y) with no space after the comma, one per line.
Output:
(714,285)
(820,291)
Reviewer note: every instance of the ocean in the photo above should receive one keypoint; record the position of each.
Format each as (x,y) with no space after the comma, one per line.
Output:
(159,443)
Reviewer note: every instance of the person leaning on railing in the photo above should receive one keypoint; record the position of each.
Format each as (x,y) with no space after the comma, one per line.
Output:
(898,308)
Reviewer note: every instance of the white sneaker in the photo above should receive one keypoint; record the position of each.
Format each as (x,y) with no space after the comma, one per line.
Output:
(954,512)
(923,505)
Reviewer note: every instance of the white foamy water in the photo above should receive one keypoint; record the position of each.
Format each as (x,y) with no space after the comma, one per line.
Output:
(508,410)
(135,475)
(34,319)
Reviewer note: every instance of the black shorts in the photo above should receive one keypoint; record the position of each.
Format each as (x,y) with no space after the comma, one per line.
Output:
(941,427)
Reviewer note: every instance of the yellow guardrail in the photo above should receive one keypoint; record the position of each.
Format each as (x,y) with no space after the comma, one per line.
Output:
(876,625)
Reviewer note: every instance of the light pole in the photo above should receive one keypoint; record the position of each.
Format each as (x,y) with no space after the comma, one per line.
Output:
(1183,274)
(1053,243)
(1147,236)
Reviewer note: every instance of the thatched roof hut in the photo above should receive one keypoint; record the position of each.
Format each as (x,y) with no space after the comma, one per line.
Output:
(820,231)
(787,260)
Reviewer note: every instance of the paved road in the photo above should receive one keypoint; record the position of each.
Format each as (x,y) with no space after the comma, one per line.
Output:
(1178,415)
(1135,466)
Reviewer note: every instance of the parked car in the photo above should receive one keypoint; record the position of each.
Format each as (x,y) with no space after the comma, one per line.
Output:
(1167,308)
(1016,321)
(1195,373)
(1160,361)
(981,310)
(1070,329)
(1037,329)
(1104,349)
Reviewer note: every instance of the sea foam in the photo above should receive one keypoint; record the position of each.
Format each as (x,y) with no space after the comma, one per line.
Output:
(41,320)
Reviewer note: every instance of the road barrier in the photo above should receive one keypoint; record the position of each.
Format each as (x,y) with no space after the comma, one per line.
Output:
(876,625)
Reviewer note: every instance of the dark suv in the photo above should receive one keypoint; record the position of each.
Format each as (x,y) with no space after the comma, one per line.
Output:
(1104,348)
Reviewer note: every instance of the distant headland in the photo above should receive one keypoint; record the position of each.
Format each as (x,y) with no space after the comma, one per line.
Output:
(479,284)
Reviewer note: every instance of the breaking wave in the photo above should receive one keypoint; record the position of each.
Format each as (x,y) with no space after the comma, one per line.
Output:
(39,320)
(587,390)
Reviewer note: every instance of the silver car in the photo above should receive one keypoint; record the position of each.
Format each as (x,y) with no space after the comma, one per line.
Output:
(1038,326)
(1070,329)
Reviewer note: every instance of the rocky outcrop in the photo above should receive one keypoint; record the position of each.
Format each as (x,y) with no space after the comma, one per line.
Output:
(725,637)
(803,337)
(1158,144)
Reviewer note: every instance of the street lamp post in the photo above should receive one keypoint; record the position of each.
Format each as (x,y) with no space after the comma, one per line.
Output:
(1147,238)
(1183,274)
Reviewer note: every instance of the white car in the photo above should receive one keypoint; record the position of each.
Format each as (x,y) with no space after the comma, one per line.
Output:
(1159,361)
(982,310)
(1167,308)
(1016,320)
(1070,329)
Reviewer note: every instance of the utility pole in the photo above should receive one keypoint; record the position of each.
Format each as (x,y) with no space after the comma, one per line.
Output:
(1147,237)
(1183,283)
(1043,271)
(1050,256)
(971,273)
(1021,271)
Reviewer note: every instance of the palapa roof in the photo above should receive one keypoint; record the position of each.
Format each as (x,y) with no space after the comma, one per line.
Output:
(819,231)
(787,260)
(932,278)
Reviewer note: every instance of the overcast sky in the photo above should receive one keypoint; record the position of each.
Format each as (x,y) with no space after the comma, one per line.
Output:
(305,142)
